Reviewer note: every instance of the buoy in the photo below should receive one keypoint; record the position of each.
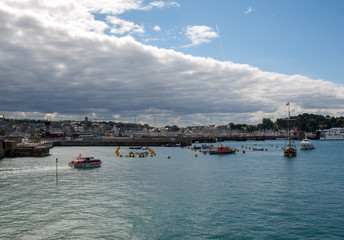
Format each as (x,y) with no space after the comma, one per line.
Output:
(237,150)
(120,155)
(242,146)
(266,149)
(249,148)
(205,153)
(196,155)
(281,147)
(169,157)
(276,146)
(243,151)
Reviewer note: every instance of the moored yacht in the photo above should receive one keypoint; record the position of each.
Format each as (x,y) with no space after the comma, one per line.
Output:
(332,134)
(306,144)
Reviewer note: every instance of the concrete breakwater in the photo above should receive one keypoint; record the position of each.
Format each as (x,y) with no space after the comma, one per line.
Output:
(12,149)
(127,142)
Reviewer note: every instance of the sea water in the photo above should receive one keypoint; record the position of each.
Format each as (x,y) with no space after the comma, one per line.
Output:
(251,195)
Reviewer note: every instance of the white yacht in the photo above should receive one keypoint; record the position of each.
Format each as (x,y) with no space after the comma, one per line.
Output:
(306,144)
(332,134)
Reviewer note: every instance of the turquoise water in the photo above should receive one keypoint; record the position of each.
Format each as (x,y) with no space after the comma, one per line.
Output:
(251,195)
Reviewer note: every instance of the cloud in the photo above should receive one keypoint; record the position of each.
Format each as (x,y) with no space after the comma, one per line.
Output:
(120,26)
(160,4)
(200,34)
(156,28)
(249,10)
(53,66)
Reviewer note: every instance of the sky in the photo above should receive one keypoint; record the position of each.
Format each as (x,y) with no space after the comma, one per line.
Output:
(184,63)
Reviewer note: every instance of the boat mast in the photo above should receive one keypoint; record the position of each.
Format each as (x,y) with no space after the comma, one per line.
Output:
(289,136)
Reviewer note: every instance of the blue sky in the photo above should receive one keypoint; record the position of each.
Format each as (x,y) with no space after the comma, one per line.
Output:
(291,37)
(179,62)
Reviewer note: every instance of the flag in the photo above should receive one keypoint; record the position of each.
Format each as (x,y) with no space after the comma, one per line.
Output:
(287,104)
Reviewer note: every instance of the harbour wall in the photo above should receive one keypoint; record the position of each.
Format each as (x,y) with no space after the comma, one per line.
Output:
(122,141)
(127,142)
(11,149)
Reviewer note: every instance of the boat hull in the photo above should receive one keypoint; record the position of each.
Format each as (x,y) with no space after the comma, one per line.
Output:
(307,147)
(222,152)
(291,152)
(85,165)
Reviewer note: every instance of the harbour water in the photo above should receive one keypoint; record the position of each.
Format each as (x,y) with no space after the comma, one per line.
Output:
(251,195)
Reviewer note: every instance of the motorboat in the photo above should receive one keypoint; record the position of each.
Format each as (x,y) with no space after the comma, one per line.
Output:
(221,150)
(306,144)
(85,162)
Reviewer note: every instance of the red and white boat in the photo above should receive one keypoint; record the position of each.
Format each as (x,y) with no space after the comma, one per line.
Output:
(85,162)
(221,150)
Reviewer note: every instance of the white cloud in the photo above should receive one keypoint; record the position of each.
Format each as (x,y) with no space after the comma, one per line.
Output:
(53,64)
(121,26)
(157,28)
(200,34)
(160,4)
(249,10)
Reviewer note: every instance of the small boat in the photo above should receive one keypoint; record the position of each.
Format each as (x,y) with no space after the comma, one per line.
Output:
(85,162)
(137,154)
(221,150)
(258,149)
(205,148)
(306,144)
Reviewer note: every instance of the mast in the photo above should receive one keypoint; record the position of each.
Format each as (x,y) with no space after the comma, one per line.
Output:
(289,124)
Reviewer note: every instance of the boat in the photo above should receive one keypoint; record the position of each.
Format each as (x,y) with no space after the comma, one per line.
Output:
(332,134)
(306,144)
(205,148)
(137,154)
(85,162)
(221,150)
(135,147)
(290,148)
(258,149)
